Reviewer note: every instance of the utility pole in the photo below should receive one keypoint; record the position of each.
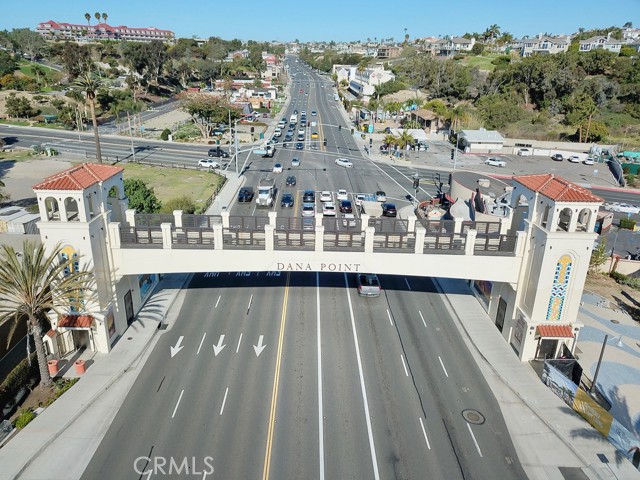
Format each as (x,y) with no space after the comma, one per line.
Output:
(133,150)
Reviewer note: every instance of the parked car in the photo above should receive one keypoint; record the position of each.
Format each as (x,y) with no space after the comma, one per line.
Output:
(343,162)
(496,162)
(208,163)
(308,209)
(342,194)
(328,209)
(574,159)
(588,161)
(525,152)
(381,196)
(277,168)
(345,206)
(295,162)
(291,181)
(245,194)
(557,157)
(287,201)
(368,285)
(325,196)
(309,196)
(389,210)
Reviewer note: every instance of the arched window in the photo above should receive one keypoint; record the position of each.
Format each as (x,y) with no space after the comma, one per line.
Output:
(71,206)
(52,208)
(564,219)
(584,217)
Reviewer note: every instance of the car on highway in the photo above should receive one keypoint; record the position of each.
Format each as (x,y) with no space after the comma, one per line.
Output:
(328,209)
(622,208)
(368,285)
(295,162)
(588,161)
(208,163)
(342,194)
(325,196)
(574,159)
(314,113)
(343,162)
(314,135)
(525,152)
(309,196)
(495,162)
(299,146)
(287,201)
(360,197)
(389,210)
(557,157)
(345,206)
(245,194)
(291,181)
(308,209)
(381,196)
(303,113)
(217,152)
(277,168)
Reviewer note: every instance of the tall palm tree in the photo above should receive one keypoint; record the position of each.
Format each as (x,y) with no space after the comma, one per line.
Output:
(104,17)
(33,283)
(97,15)
(89,84)
(88,17)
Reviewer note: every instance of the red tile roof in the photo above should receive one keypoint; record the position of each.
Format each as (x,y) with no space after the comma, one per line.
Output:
(557,188)
(79,177)
(77,321)
(555,331)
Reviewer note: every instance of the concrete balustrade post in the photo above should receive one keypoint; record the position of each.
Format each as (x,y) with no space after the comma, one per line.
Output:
(130,216)
(273,217)
(470,244)
(421,232)
(412,222)
(365,221)
(114,234)
(225,219)
(369,233)
(218,239)
(269,232)
(166,235)
(177,218)
(457,222)
(319,247)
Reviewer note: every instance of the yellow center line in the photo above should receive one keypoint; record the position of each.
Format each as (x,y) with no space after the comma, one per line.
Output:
(276,381)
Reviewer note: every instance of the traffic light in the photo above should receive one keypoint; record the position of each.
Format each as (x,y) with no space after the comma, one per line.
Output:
(324,142)
(416,183)
(252,129)
(370,142)
(453,153)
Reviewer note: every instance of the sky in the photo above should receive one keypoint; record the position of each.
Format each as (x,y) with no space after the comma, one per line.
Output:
(337,20)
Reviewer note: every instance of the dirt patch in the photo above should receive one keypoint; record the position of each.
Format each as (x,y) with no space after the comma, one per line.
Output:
(625,297)
(38,397)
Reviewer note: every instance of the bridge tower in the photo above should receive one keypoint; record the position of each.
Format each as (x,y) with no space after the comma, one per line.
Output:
(76,206)
(537,316)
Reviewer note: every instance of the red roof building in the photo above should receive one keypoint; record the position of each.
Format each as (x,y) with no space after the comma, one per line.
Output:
(101,31)
(79,177)
(557,188)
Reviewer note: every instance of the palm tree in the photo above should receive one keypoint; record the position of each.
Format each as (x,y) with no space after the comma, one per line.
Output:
(32,284)
(88,17)
(97,15)
(89,84)
(104,17)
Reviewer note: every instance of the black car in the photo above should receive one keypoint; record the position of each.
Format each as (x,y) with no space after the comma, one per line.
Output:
(389,210)
(288,138)
(245,194)
(287,201)
(299,146)
(345,206)
(291,181)
(309,196)
(295,112)
(218,152)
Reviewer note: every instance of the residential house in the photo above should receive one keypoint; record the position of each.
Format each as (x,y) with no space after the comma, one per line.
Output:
(388,51)
(602,43)
(542,45)
(449,46)
(362,84)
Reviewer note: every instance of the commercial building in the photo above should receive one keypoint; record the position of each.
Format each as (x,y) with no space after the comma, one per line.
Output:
(52,30)
(480,141)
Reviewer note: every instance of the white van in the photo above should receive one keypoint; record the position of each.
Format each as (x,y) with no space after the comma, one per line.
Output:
(525,152)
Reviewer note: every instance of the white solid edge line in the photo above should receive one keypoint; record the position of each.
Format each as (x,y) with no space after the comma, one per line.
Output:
(201,342)
(423,322)
(372,447)
(320,409)
(424,432)
(404,365)
(239,340)
(442,364)
(474,439)
(178,403)
(224,400)
(389,315)
(407,282)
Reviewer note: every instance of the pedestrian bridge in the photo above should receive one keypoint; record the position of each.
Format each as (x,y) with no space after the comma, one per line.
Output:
(205,243)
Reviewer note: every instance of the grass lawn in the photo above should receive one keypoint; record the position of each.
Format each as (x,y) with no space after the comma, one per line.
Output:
(19,155)
(18,123)
(169,183)
(482,62)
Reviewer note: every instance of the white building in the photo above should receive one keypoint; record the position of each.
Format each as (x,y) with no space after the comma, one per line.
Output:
(480,141)
(542,45)
(601,43)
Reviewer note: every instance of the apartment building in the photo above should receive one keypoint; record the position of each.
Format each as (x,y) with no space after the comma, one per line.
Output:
(52,30)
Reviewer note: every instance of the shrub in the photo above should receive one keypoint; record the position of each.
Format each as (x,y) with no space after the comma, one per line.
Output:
(184,203)
(165,134)
(24,418)
(627,223)
(19,378)
(623,279)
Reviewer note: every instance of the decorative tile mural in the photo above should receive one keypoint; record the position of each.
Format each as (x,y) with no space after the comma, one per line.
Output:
(559,288)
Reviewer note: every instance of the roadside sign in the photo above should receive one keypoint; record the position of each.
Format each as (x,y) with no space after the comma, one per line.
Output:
(261,135)
(371,128)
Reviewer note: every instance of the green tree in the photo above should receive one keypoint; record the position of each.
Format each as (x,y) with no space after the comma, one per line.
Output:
(580,110)
(104,17)
(75,58)
(207,110)
(33,283)
(89,84)
(498,111)
(27,42)
(477,48)
(19,107)
(7,64)
(184,203)
(97,16)
(141,198)
(599,255)
(87,16)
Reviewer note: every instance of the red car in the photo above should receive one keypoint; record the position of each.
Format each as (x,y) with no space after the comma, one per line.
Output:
(345,206)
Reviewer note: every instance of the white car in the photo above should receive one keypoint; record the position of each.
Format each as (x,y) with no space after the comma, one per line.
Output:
(381,196)
(295,162)
(624,208)
(277,168)
(525,152)
(574,159)
(325,196)
(208,163)
(308,209)
(343,162)
(588,161)
(360,197)
(496,162)
(329,209)
(342,194)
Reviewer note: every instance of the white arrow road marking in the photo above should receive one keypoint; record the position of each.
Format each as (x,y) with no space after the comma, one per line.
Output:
(260,347)
(178,347)
(218,348)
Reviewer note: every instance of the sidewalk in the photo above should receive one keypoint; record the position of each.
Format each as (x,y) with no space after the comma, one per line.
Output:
(546,433)
(60,442)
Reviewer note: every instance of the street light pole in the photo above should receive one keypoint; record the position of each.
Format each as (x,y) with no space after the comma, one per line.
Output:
(133,150)
(455,154)
(595,376)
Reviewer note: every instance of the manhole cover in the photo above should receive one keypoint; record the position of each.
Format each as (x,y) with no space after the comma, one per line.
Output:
(614,321)
(473,416)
